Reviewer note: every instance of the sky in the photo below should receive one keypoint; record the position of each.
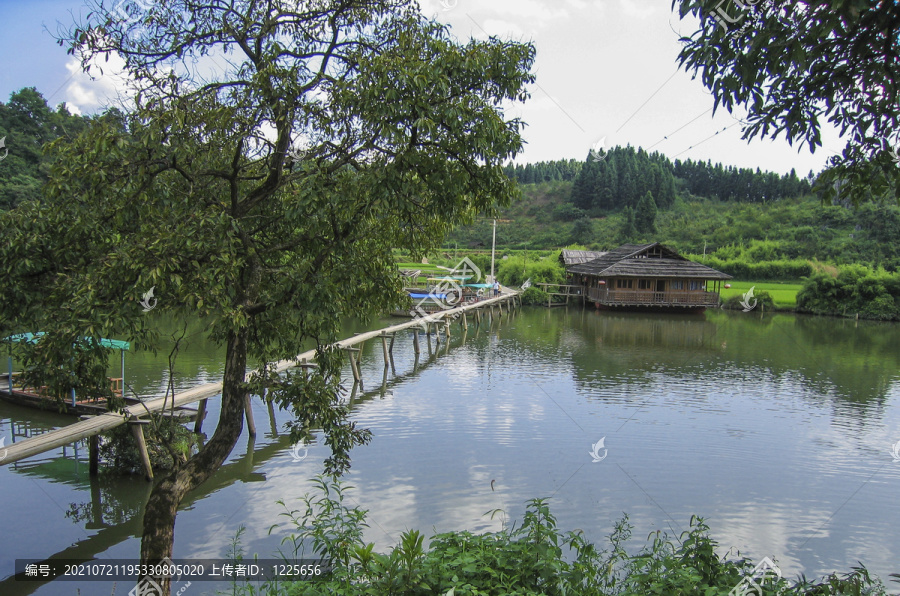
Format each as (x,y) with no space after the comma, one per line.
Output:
(606,73)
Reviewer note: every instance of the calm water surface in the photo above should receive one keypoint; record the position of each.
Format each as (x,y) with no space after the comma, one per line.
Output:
(778,430)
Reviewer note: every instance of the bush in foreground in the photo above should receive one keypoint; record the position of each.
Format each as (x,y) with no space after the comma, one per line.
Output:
(535,558)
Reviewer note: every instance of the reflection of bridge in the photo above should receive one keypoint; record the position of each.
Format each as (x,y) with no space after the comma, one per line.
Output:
(109,536)
(244,469)
(95,425)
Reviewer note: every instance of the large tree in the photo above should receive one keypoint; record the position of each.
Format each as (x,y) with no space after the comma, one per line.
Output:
(275,153)
(793,65)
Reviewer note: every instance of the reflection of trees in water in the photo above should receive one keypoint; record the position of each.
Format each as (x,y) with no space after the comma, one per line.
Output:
(104,508)
(852,362)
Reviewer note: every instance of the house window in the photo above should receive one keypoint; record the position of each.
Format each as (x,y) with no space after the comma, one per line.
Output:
(624,283)
(676,284)
(696,284)
(643,284)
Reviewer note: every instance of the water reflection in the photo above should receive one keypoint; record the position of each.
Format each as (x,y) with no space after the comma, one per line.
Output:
(777,429)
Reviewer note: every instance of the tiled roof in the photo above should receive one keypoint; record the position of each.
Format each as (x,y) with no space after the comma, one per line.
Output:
(631,260)
(572,257)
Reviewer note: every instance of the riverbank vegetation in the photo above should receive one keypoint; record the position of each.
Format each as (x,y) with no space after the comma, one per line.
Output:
(852,291)
(531,558)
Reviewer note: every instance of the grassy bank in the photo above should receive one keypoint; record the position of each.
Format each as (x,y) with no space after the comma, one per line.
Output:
(783,294)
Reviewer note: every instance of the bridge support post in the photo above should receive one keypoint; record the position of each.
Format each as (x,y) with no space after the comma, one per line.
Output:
(416,342)
(137,430)
(354,366)
(306,367)
(272,425)
(248,412)
(93,451)
(94,455)
(385,349)
(201,414)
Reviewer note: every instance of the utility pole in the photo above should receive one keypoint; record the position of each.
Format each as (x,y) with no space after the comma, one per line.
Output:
(493,246)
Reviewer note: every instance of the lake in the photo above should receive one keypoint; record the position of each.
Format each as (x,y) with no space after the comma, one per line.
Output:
(777,429)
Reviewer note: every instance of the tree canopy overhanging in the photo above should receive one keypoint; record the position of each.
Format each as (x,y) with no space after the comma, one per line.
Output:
(275,153)
(795,65)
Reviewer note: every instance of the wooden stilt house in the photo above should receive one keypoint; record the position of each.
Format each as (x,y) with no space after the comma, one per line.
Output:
(647,276)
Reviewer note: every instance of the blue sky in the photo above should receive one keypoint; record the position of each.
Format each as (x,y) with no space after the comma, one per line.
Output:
(605,69)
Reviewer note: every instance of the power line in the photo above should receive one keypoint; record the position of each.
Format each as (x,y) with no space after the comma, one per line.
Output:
(652,95)
(704,140)
(678,129)
(536,84)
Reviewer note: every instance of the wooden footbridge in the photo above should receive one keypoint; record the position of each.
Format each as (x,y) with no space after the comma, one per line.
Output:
(135,415)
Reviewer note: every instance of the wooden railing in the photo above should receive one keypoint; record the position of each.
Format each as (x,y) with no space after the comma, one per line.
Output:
(646,297)
(560,289)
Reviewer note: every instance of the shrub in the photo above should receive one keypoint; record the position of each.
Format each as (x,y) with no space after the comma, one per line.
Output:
(515,270)
(535,295)
(780,270)
(534,558)
(567,212)
(872,294)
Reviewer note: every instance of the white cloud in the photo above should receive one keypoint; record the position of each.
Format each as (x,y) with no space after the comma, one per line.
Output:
(529,9)
(637,10)
(86,93)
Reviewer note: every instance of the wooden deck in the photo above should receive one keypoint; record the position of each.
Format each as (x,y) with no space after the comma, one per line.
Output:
(109,420)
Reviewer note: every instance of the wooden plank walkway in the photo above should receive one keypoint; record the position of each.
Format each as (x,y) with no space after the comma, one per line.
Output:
(108,420)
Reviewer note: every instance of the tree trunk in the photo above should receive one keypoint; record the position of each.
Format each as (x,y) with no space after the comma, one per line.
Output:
(162,506)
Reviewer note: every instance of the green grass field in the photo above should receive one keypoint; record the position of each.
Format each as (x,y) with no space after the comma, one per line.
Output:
(784,295)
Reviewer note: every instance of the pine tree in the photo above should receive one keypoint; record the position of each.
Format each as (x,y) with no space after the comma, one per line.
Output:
(628,231)
(645,215)
(583,231)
